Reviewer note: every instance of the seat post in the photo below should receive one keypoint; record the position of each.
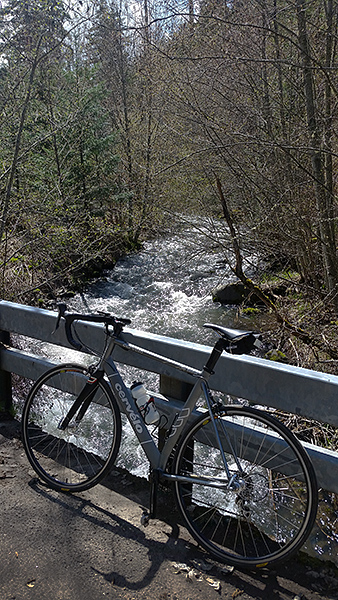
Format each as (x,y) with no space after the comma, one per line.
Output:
(214,356)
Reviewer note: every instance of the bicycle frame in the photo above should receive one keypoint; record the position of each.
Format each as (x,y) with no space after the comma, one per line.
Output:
(157,459)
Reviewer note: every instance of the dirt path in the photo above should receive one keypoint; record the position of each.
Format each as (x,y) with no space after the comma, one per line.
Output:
(90,545)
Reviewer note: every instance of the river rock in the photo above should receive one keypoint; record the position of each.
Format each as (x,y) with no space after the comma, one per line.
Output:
(237,293)
(234,293)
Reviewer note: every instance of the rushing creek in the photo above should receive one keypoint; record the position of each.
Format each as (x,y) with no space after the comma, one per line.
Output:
(166,289)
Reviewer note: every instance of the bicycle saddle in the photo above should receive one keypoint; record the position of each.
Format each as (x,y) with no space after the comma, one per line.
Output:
(230,334)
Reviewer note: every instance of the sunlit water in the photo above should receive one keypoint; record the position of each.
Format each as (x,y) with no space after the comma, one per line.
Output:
(167,289)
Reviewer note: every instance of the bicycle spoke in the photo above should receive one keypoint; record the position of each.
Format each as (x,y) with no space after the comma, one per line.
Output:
(269,507)
(78,456)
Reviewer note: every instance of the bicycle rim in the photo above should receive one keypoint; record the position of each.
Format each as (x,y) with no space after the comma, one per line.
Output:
(271,513)
(78,457)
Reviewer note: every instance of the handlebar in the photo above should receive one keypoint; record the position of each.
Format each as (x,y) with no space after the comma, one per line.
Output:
(106,318)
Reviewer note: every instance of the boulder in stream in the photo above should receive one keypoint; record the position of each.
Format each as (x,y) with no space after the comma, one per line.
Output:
(234,293)
(237,293)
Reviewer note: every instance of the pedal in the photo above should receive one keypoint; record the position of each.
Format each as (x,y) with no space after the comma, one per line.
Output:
(145,518)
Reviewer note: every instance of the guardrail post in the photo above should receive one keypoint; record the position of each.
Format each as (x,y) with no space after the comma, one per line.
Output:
(5,383)
(174,388)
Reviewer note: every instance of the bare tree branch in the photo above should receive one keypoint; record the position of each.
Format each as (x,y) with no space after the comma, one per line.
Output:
(298,332)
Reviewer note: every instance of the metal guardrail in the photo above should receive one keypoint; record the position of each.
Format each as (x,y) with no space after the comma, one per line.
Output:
(299,391)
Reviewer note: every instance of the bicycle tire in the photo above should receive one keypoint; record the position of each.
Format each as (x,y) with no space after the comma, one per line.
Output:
(77,458)
(272,514)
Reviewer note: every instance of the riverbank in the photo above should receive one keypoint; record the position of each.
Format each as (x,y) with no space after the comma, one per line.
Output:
(62,546)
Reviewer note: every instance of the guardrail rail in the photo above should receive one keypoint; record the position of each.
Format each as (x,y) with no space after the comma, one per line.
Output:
(292,389)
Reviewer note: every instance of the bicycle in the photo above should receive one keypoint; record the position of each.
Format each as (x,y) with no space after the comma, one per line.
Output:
(244,485)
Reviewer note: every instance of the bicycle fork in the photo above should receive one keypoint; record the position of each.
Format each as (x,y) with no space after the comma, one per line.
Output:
(84,398)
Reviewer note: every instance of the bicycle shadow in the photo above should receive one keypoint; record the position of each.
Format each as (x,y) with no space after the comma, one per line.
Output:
(286,580)
(121,530)
(146,555)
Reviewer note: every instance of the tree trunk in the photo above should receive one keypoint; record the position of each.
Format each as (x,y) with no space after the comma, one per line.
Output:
(9,186)
(328,166)
(322,194)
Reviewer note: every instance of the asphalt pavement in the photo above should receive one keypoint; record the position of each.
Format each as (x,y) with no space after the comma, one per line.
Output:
(91,546)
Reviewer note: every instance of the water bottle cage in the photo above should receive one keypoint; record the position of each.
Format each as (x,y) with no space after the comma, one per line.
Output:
(144,409)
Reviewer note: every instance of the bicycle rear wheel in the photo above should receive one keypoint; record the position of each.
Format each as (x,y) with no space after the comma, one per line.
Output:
(78,457)
(271,508)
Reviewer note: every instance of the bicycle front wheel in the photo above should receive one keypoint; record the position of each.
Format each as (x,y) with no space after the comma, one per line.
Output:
(78,457)
(264,508)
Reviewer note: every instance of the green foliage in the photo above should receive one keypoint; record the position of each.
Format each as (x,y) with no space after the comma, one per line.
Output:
(276,356)
(250,311)
(64,207)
